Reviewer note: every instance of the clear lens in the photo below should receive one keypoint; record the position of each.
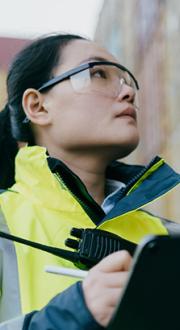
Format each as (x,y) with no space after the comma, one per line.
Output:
(102,79)
(81,81)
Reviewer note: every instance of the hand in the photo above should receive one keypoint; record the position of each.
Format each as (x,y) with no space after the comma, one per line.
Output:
(103,286)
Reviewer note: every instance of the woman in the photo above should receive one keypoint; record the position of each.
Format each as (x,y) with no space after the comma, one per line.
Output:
(75,107)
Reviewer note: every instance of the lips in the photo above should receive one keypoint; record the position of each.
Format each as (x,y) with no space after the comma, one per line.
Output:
(130,111)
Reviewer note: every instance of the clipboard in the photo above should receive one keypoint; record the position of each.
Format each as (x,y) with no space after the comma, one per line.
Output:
(151,297)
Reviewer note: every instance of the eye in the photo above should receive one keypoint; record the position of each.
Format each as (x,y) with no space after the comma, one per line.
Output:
(98,73)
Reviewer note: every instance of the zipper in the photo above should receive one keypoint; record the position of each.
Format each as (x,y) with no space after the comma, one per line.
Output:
(95,212)
(84,205)
(133,181)
(67,188)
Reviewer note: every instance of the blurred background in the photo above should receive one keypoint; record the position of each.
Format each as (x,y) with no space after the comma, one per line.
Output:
(144,35)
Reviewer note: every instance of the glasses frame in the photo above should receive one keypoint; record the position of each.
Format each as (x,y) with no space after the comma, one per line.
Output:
(66,75)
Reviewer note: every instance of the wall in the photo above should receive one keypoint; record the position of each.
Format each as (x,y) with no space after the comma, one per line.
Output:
(144,35)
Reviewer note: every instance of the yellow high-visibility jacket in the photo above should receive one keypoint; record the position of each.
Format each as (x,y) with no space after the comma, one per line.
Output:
(43,206)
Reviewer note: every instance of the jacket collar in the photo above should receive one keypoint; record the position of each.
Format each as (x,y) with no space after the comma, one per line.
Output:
(153,180)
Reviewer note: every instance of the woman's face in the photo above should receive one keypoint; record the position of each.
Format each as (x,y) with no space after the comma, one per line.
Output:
(86,122)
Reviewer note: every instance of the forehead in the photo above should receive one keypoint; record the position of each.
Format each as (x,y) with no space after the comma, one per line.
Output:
(82,51)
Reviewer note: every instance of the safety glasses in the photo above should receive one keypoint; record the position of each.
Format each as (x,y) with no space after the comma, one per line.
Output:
(102,77)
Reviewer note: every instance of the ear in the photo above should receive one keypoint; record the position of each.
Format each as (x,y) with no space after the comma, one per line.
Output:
(34,107)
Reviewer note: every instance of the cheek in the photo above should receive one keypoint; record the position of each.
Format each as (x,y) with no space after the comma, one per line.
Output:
(81,110)
(92,110)
(77,118)
(74,128)
(73,125)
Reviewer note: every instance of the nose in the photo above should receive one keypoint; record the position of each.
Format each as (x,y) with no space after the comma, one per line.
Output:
(127,93)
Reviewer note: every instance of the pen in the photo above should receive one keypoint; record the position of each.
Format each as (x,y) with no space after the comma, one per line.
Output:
(66,271)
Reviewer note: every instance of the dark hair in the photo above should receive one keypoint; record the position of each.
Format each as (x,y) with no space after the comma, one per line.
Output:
(8,150)
(30,69)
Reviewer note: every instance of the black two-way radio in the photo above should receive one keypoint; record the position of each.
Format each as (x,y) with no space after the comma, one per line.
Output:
(90,246)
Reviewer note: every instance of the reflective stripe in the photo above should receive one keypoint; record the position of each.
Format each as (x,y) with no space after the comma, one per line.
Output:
(10,306)
(159,183)
(15,324)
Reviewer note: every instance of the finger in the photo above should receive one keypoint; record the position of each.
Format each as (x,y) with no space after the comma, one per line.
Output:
(115,280)
(103,317)
(109,297)
(117,261)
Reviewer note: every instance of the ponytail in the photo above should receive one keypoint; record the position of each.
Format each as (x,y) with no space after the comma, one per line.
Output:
(8,150)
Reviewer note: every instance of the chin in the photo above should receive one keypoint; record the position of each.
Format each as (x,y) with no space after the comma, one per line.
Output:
(125,149)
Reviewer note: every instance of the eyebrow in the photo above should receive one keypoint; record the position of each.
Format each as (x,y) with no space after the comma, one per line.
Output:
(95,58)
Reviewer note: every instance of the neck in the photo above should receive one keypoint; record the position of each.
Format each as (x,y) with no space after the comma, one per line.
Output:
(93,180)
(91,170)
